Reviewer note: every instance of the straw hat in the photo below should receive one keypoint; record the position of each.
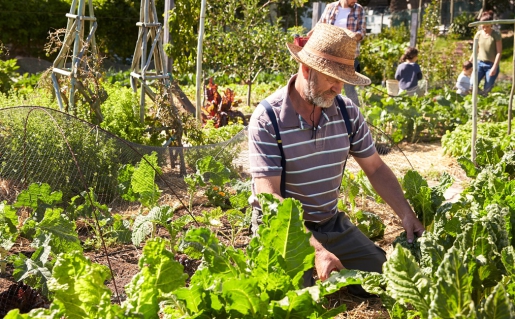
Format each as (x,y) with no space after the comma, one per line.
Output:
(330,50)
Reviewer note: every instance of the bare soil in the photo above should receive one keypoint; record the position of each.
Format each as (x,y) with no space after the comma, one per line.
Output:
(427,159)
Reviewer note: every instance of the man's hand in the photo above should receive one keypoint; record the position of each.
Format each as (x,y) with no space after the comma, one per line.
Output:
(493,71)
(412,226)
(325,263)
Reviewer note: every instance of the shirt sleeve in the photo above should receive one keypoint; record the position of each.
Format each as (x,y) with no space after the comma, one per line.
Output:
(398,72)
(324,18)
(361,23)
(362,143)
(264,154)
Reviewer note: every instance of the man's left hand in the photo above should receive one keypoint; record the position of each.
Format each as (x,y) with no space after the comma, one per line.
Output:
(412,226)
(357,36)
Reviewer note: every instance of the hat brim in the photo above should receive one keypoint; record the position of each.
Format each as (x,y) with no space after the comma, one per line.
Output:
(342,72)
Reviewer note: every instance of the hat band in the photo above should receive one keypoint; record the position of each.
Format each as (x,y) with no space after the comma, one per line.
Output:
(328,56)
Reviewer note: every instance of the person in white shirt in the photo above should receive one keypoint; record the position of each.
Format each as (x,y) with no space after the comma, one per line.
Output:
(463,84)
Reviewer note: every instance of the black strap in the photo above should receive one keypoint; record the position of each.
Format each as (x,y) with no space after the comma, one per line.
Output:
(343,109)
(273,120)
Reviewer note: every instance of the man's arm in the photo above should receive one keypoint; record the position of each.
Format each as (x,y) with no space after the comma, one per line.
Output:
(270,185)
(387,186)
(361,24)
(498,47)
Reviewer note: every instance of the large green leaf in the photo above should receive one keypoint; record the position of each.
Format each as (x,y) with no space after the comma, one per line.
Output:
(243,298)
(160,274)
(64,238)
(498,305)
(405,281)
(79,289)
(508,260)
(300,305)
(142,181)
(288,236)
(452,292)
(213,171)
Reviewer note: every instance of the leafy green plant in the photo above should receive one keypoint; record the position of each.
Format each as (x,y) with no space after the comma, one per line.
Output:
(50,231)
(460,26)
(121,114)
(146,225)
(265,281)
(7,73)
(215,176)
(369,223)
(425,200)
(137,183)
(490,146)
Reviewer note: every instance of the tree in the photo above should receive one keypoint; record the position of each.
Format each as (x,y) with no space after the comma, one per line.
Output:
(245,44)
(239,39)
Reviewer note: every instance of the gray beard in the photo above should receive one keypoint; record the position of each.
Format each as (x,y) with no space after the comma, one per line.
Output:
(316,99)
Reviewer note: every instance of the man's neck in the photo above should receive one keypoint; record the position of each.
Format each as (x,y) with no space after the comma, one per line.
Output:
(344,4)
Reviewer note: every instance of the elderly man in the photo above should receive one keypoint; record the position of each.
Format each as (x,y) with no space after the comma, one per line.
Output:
(315,145)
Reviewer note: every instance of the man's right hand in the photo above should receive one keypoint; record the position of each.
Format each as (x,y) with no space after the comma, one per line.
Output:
(325,263)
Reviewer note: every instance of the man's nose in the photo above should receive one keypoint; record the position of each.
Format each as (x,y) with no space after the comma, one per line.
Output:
(337,87)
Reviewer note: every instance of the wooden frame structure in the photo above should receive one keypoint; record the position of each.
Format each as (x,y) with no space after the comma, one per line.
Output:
(149,48)
(74,38)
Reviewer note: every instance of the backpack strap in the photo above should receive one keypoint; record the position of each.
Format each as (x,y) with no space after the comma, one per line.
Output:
(273,119)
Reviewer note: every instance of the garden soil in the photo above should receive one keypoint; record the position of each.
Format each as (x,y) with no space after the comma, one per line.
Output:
(427,159)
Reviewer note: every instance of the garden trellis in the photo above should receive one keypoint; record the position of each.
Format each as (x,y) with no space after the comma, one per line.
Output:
(150,33)
(74,37)
(475,85)
(148,54)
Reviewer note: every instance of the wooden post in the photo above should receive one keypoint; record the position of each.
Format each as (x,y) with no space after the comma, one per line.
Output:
(510,104)
(452,12)
(474,102)
(413,29)
(199,59)
(316,13)
(169,5)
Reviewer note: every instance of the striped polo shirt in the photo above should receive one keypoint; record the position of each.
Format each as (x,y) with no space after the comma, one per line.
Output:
(314,164)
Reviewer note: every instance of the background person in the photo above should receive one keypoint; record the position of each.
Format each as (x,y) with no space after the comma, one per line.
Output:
(408,72)
(489,52)
(316,145)
(463,84)
(348,14)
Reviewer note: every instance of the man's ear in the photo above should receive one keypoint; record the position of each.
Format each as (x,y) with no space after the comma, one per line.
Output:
(304,69)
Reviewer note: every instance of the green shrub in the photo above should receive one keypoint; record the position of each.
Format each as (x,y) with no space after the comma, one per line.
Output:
(7,74)
(121,113)
(460,26)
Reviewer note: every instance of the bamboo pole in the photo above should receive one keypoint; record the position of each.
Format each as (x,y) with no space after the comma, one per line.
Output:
(474,102)
(199,58)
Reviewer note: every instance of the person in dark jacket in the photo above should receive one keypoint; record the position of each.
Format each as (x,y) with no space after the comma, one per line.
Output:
(408,72)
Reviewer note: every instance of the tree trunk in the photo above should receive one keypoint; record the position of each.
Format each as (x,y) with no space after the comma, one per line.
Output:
(249,91)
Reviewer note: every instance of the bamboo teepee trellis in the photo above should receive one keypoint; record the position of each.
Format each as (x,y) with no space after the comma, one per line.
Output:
(149,48)
(74,40)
